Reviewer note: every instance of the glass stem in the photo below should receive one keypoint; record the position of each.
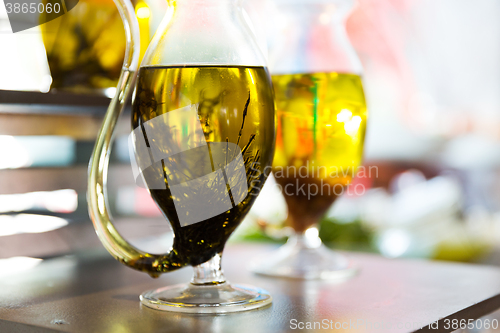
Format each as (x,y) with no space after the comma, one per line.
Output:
(308,239)
(209,272)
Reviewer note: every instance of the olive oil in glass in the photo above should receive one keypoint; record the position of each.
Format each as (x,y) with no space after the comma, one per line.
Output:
(234,105)
(321,129)
(321,122)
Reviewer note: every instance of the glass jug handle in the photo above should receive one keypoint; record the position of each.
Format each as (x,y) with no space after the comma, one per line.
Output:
(116,245)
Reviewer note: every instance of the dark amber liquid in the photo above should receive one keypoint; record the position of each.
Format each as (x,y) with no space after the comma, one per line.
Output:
(222,94)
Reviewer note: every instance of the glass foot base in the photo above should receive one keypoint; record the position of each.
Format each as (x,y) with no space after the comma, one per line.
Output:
(218,298)
(306,260)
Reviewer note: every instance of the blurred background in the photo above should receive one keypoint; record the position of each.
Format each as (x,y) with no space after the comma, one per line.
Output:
(431,187)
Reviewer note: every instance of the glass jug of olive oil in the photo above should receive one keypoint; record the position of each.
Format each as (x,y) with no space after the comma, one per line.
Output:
(203,133)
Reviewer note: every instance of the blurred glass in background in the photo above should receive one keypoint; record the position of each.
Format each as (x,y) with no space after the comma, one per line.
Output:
(85,46)
(432,143)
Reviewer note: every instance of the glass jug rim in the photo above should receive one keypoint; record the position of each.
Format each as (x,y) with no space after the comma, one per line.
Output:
(221,30)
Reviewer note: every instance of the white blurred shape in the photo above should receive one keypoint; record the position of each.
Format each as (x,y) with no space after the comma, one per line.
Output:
(45,83)
(29,223)
(312,233)
(143,12)
(110,92)
(60,201)
(351,127)
(344,115)
(17,264)
(407,179)
(394,243)
(426,202)
(25,151)
(345,210)
(13,154)
(270,205)
(125,200)
(324,18)
(377,207)
(312,237)
(412,221)
(472,152)
(23,60)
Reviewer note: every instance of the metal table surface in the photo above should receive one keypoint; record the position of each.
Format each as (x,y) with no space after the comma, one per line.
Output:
(91,292)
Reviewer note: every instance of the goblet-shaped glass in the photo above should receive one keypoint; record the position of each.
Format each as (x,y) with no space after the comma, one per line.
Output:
(203,134)
(321,115)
